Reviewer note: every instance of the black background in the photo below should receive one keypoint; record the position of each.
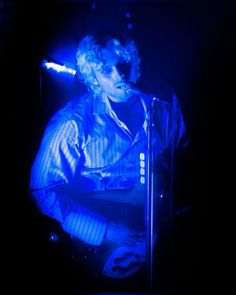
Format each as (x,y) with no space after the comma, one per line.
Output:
(187,44)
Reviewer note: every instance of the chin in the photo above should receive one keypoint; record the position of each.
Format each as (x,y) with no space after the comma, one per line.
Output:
(119,96)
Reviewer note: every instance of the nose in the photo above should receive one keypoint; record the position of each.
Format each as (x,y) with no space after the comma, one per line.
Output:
(116,74)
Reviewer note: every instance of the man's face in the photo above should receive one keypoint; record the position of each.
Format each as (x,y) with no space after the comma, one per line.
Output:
(113,83)
(114,73)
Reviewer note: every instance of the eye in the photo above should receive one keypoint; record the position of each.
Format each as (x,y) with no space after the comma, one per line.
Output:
(106,70)
(124,69)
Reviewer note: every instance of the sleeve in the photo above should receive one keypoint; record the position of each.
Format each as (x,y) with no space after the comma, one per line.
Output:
(179,133)
(169,124)
(53,169)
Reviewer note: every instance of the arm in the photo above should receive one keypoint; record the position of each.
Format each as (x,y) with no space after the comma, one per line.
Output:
(174,162)
(54,168)
(169,124)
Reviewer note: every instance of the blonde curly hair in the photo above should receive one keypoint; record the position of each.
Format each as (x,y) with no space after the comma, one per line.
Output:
(90,57)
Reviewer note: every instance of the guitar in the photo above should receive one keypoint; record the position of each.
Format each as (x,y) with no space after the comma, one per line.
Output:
(112,260)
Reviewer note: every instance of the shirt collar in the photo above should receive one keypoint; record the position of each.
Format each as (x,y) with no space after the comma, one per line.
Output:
(101,105)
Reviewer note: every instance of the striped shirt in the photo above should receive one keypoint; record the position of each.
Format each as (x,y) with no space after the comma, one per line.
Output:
(87,149)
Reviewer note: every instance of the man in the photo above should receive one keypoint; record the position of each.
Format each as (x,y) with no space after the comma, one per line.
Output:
(91,171)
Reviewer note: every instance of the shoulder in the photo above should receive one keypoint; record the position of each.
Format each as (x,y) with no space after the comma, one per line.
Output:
(161,104)
(68,124)
(163,94)
(74,113)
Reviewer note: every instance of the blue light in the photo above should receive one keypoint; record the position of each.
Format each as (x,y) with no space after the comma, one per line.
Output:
(142,171)
(142,164)
(128,14)
(130,26)
(57,67)
(141,156)
(142,179)
(53,237)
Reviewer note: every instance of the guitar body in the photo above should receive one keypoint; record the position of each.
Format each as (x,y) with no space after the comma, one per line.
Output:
(112,260)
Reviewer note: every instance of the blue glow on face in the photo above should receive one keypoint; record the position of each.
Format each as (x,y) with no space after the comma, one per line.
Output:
(57,67)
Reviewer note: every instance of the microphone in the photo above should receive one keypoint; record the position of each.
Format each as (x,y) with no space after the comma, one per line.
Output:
(131,87)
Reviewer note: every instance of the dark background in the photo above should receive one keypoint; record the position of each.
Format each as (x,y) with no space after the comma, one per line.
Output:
(186,45)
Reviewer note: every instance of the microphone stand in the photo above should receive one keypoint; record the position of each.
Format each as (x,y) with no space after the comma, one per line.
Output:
(149,187)
(149,198)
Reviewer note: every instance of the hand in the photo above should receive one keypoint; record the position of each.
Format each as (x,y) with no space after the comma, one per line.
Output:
(136,238)
(127,258)
(117,233)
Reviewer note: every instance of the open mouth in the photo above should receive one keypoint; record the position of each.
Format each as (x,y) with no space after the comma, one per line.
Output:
(121,86)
